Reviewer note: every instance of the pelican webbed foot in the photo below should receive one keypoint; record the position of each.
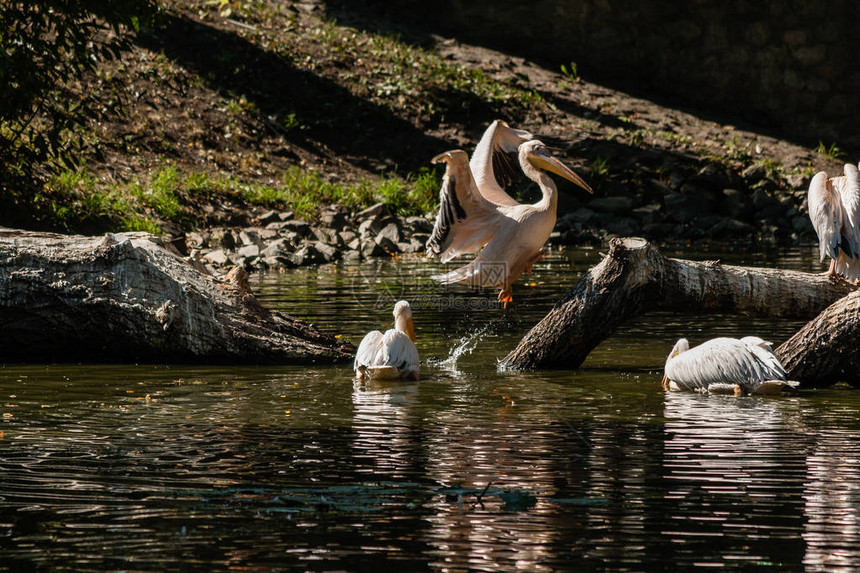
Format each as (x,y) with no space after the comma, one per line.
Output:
(506,296)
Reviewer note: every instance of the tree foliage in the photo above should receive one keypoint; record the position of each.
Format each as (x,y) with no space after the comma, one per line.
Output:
(46,46)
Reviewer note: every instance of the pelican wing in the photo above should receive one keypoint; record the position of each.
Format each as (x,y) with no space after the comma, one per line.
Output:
(389,355)
(494,161)
(368,351)
(848,189)
(466,221)
(721,361)
(825,211)
(399,351)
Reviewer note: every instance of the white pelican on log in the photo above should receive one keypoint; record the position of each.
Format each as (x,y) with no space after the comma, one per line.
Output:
(726,366)
(834,208)
(391,355)
(509,234)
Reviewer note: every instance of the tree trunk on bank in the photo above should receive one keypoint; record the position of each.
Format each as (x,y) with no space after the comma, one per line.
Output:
(635,278)
(128,298)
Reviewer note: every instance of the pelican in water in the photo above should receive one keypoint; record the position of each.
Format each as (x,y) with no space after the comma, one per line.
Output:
(509,235)
(393,354)
(834,208)
(726,365)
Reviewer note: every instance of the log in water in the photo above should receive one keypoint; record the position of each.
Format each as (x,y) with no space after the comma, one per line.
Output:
(128,297)
(635,278)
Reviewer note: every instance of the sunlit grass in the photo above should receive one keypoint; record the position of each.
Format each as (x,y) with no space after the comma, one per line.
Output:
(76,201)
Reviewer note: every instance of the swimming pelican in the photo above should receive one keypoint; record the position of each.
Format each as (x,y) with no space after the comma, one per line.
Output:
(834,208)
(511,234)
(393,354)
(725,365)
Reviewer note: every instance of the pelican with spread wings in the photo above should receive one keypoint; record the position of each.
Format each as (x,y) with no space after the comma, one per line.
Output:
(509,235)
(726,366)
(834,208)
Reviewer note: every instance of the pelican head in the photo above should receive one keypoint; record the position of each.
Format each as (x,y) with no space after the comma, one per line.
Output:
(682,345)
(535,154)
(403,319)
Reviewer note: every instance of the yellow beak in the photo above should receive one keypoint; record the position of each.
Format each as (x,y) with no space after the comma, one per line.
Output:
(410,330)
(546,161)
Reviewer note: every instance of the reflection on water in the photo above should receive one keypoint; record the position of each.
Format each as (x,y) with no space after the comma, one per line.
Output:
(143,468)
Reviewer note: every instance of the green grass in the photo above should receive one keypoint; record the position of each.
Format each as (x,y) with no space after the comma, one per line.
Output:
(832,152)
(76,201)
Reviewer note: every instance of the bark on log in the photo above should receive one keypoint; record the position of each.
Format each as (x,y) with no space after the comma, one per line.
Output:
(635,278)
(827,349)
(129,298)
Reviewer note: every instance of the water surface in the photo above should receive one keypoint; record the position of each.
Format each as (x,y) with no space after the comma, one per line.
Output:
(178,468)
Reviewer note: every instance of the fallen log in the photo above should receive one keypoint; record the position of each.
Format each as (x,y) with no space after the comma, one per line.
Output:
(827,349)
(130,297)
(635,278)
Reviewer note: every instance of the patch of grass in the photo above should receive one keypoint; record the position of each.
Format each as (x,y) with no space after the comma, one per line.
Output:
(598,170)
(571,72)
(832,151)
(160,194)
(76,202)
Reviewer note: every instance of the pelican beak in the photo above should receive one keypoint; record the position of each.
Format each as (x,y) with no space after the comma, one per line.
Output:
(410,330)
(543,160)
(665,382)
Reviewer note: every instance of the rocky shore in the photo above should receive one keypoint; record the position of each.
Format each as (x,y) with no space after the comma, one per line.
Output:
(712,204)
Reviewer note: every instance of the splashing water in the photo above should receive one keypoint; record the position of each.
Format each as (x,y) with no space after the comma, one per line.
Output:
(466,345)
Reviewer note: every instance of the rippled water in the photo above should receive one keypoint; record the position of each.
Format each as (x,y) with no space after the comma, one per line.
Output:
(175,468)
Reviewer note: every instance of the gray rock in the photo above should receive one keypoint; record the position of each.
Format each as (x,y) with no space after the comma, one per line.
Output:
(302,228)
(347,236)
(228,241)
(761,200)
(306,255)
(386,244)
(277,226)
(278,247)
(727,227)
(406,247)
(369,249)
(648,214)
(267,235)
(328,252)
(419,224)
(286,215)
(374,211)
(622,226)
(370,227)
(249,237)
(754,173)
(268,217)
(329,236)
(390,232)
(580,216)
(334,219)
(737,205)
(354,245)
(218,258)
(279,262)
(711,177)
(249,251)
(418,245)
(682,208)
